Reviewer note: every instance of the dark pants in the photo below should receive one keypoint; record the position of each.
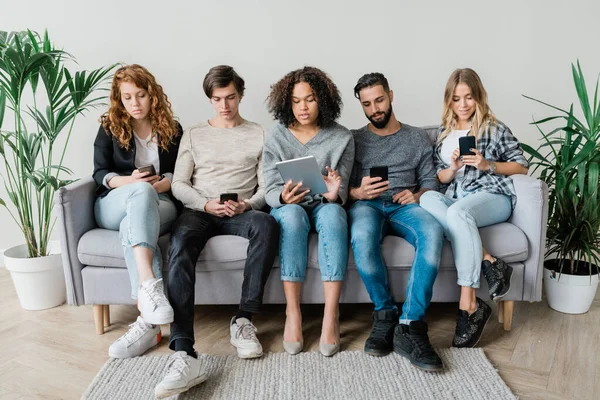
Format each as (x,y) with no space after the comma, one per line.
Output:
(189,235)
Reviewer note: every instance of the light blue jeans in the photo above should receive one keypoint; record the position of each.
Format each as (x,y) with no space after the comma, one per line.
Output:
(370,221)
(330,222)
(461,219)
(140,215)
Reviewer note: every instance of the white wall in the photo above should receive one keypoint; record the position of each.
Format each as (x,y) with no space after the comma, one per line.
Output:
(517,47)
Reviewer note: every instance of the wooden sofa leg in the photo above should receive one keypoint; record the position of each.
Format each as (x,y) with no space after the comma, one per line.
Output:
(106,314)
(508,313)
(500,312)
(99,318)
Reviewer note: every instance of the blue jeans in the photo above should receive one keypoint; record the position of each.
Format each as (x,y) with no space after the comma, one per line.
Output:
(370,220)
(330,222)
(140,215)
(460,219)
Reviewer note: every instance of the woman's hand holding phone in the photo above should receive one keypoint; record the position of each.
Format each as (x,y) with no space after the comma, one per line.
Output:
(455,160)
(478,161)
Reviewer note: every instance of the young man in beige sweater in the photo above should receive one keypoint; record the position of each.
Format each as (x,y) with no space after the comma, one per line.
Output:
(221,155)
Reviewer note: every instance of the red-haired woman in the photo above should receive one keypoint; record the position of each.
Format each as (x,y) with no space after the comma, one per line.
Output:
(134,158)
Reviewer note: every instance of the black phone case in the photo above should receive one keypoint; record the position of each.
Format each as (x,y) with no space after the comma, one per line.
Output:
(228,196)
(466,143)
(379,171)
(148,168)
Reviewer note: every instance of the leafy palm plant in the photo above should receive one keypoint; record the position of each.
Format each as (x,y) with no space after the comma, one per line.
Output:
(33,161)
(569,162)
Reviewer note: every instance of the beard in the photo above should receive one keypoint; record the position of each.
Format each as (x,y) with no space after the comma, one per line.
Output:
(382,123)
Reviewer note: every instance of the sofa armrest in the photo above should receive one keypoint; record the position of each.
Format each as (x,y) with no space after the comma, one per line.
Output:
(74,206)
(531,215)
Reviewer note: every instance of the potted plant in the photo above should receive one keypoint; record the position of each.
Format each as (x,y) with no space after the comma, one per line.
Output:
(569,162)
(40,97)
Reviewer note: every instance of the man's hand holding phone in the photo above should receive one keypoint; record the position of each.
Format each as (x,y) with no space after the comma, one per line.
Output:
(370,188)
(228,205)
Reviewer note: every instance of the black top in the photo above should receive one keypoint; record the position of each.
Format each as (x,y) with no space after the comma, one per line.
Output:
(109,156)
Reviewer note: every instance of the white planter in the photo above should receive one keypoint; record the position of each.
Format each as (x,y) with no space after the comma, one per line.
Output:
(40,281)
(571,294)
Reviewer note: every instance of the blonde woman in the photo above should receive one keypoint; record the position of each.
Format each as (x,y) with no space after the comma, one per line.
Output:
(480,193)
(134,158)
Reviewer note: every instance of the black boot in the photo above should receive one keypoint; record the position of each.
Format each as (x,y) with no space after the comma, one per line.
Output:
(380,342)
(498,275)
(411,341)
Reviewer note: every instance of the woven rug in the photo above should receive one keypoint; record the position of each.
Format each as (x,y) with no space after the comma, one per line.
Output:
(348,375)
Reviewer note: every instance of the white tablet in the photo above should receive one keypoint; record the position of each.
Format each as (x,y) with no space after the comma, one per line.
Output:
(305,170)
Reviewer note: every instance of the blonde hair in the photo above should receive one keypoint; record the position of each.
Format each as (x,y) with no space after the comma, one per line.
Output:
(482,115)
(118,121)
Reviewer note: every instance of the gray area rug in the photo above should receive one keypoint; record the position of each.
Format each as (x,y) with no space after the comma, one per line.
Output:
(348,375)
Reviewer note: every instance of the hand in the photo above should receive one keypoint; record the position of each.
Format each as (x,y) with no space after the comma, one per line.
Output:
(333,181)
(290,194)
(137,176)
(235,207)
(455,162)
(477,161)
(406,197)
(370,188)
(162,186)
(227,209)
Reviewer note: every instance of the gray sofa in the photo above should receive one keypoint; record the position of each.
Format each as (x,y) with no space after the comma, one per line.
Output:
(96,274)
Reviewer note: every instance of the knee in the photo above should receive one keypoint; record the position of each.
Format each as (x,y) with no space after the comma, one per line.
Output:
(293,218)
(264,224)
(143,191)
(333,213)
(457,213)
(429,199)
(332,218)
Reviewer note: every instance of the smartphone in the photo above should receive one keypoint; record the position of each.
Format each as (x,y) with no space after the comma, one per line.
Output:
(466,143)
(228,196)
(379,171)
(148,168)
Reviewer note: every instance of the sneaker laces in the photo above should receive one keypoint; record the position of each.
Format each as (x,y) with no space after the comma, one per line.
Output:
(135,331)
(156,293)
(423,344)
(247,332)
(462,323)
(381,328)
(176,365)
(493,274)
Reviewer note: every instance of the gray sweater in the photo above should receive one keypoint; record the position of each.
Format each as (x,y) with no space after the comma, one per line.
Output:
(408,154)
(332,146)
(213,160)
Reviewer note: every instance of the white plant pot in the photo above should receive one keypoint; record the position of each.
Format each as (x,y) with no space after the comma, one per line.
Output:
(571,294)
(40,281)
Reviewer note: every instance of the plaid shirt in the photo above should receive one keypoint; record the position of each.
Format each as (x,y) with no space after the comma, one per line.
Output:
(496,143)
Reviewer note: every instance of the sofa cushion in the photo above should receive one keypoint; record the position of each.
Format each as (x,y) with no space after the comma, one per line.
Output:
(101,247)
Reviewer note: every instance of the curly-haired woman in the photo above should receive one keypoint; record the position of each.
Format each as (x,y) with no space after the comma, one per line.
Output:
(134,158)
(480,193)
(307,103)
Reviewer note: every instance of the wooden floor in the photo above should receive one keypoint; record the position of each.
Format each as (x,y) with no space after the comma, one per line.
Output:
(55,354)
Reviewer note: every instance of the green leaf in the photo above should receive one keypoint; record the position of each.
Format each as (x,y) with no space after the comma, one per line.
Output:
(2,106)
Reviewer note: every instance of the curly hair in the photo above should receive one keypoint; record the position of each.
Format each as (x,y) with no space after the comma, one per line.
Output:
(329,101)
(118,121)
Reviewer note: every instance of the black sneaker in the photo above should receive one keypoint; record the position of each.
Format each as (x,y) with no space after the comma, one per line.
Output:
(411,341)
(380,342)
(470,327)
(498,275)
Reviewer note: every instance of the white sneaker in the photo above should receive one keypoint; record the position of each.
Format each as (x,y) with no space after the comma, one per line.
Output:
(153,303)
(183,373)
(139,338)
(243,337)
